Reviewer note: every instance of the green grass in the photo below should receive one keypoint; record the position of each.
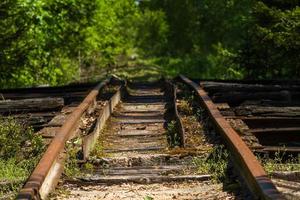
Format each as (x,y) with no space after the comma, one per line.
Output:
(172,133)
(215,164)
(281,162)
(72,168)
(20,150)
(148,198)
(13,174)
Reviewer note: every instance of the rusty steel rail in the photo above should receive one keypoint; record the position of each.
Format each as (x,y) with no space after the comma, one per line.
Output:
(171,90)
(31,189)
(90,140)
(244,160)
(180,128)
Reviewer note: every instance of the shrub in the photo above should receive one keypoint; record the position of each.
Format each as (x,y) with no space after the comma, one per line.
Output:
(18,141)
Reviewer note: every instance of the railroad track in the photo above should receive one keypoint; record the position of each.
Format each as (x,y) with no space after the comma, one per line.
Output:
(139,140)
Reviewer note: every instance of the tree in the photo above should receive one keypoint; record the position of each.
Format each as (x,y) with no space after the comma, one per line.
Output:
(273,47)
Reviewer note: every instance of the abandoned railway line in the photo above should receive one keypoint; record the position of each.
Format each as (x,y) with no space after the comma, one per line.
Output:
(170,139)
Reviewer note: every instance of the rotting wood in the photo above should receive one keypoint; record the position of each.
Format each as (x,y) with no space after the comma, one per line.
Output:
(137,121)
(222,106)
(264,111)
(238,87)
(140,170)
(269,121)
(81,90)
(140,149)
(264,149)
(146,178)
(36,120)
(240,97)
(291,175)
(31,105)
(57,121)
(48,132)
(243,130)
(276,130)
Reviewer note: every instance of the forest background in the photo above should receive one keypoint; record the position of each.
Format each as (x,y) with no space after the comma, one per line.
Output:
(55,42)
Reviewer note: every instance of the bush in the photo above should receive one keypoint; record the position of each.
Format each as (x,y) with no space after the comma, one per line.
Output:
(18,141)
(20,150)
(152,32)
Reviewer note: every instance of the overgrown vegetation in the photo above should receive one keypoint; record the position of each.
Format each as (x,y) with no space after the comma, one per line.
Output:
(72,168)
(230,38)
(215,164)
(281,162)
(172,134)
(58,41)
(215,159)
(20,150)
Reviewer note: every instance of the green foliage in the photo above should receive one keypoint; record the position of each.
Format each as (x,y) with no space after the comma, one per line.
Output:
(58,41)
(18,141)
(51,42)
(204,36)
(215,164)
(20,149)
(231,39)
(148,198)
(12,176)
(46,38)
(273,44)
(152,32)
(282,161)
(172,133)
(71,167)
(112,32)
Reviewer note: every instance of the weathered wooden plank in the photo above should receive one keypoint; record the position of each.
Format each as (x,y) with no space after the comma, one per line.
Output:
(291,175)
(276,149)
(139,133)
(263,111)
(31,105)
(222,106)
(141,170)
(238,87)
(49,132)
(276,130)
(239,97)
(269,121)
(34,119)
(137,121)
(140,149)
(146,178)
(58,120)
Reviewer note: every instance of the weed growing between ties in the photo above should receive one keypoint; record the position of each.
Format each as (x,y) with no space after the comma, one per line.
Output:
(74,149)
(172,133)
(215,164)
(201,133)
(72,168)
(97,151)
(148,198)
(280,162)
(20,150)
